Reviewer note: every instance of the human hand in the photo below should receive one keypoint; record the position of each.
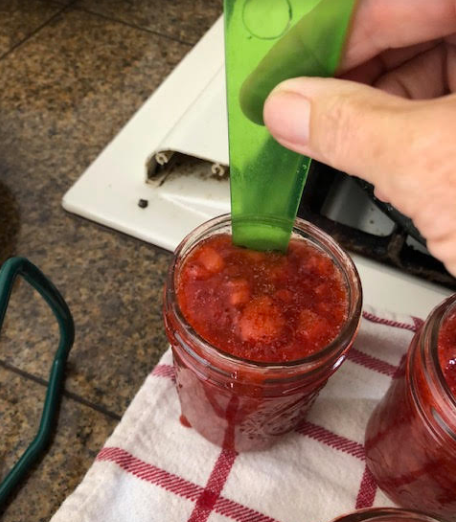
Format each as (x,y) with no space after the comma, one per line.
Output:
(391,117)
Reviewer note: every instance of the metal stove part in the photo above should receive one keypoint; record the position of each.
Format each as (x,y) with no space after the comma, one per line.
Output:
(219,170)
(367,231)
(162,158)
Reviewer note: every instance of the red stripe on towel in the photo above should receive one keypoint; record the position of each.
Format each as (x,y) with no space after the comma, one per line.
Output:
(367,491)
(332,440)
(372,363)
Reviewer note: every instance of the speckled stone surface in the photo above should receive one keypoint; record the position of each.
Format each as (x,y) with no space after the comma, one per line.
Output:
(186,20)
(66,91)
(62,105)
(20,18)
(80,434)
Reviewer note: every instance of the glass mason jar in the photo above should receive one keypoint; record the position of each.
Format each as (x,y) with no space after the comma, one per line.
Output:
(237,403)
(386,515)
(411,435)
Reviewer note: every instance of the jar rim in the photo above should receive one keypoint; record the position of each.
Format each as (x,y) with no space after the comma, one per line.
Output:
(435,323)
(427,347)
(300,226)
(387,515)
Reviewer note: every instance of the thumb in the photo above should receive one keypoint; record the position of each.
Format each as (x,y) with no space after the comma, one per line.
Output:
(350,126)
(405,148)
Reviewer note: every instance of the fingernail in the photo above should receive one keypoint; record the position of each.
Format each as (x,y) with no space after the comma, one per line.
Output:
(287,116)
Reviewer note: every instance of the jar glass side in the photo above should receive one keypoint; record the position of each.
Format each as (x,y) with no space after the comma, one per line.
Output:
(410,441)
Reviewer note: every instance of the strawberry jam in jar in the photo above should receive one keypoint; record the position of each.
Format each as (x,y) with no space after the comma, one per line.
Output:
(256,335)
(411,435)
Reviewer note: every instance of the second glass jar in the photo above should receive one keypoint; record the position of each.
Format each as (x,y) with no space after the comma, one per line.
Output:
(411,435)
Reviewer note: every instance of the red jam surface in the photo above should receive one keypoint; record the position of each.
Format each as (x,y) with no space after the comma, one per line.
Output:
(447,351)
(262,306)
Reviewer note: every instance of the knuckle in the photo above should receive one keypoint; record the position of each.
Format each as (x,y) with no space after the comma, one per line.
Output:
(337,123)
(423,179)
(444,249)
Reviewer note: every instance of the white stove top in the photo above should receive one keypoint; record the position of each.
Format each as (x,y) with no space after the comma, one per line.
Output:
(187,115)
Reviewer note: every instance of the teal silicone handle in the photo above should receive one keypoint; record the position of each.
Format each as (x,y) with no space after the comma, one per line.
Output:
(11,269)
(268,41)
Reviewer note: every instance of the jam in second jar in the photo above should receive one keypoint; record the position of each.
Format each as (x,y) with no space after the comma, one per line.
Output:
(411,435)
(253,338)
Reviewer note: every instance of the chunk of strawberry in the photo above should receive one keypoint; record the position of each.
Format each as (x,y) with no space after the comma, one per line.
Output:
(239,292)
(321,290)
(254,256)
(281,271)
(196,272)
(211,260)
(311,325)
(325,308)
(319,265)
(261,320)
(284,295)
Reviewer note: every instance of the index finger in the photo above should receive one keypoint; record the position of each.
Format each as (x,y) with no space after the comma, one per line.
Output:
(379,25)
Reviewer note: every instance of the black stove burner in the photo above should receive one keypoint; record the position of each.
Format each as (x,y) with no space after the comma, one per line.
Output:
(392,250)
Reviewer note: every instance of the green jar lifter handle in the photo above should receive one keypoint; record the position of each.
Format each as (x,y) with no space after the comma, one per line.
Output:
(268,41)
(10,270)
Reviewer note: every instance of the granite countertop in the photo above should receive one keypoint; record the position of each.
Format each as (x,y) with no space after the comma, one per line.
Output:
(71,74)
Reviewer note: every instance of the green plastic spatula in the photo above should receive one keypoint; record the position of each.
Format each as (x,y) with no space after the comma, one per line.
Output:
(266,42)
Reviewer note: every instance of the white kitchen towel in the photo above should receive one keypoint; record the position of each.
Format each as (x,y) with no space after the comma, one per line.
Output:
(153,469)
